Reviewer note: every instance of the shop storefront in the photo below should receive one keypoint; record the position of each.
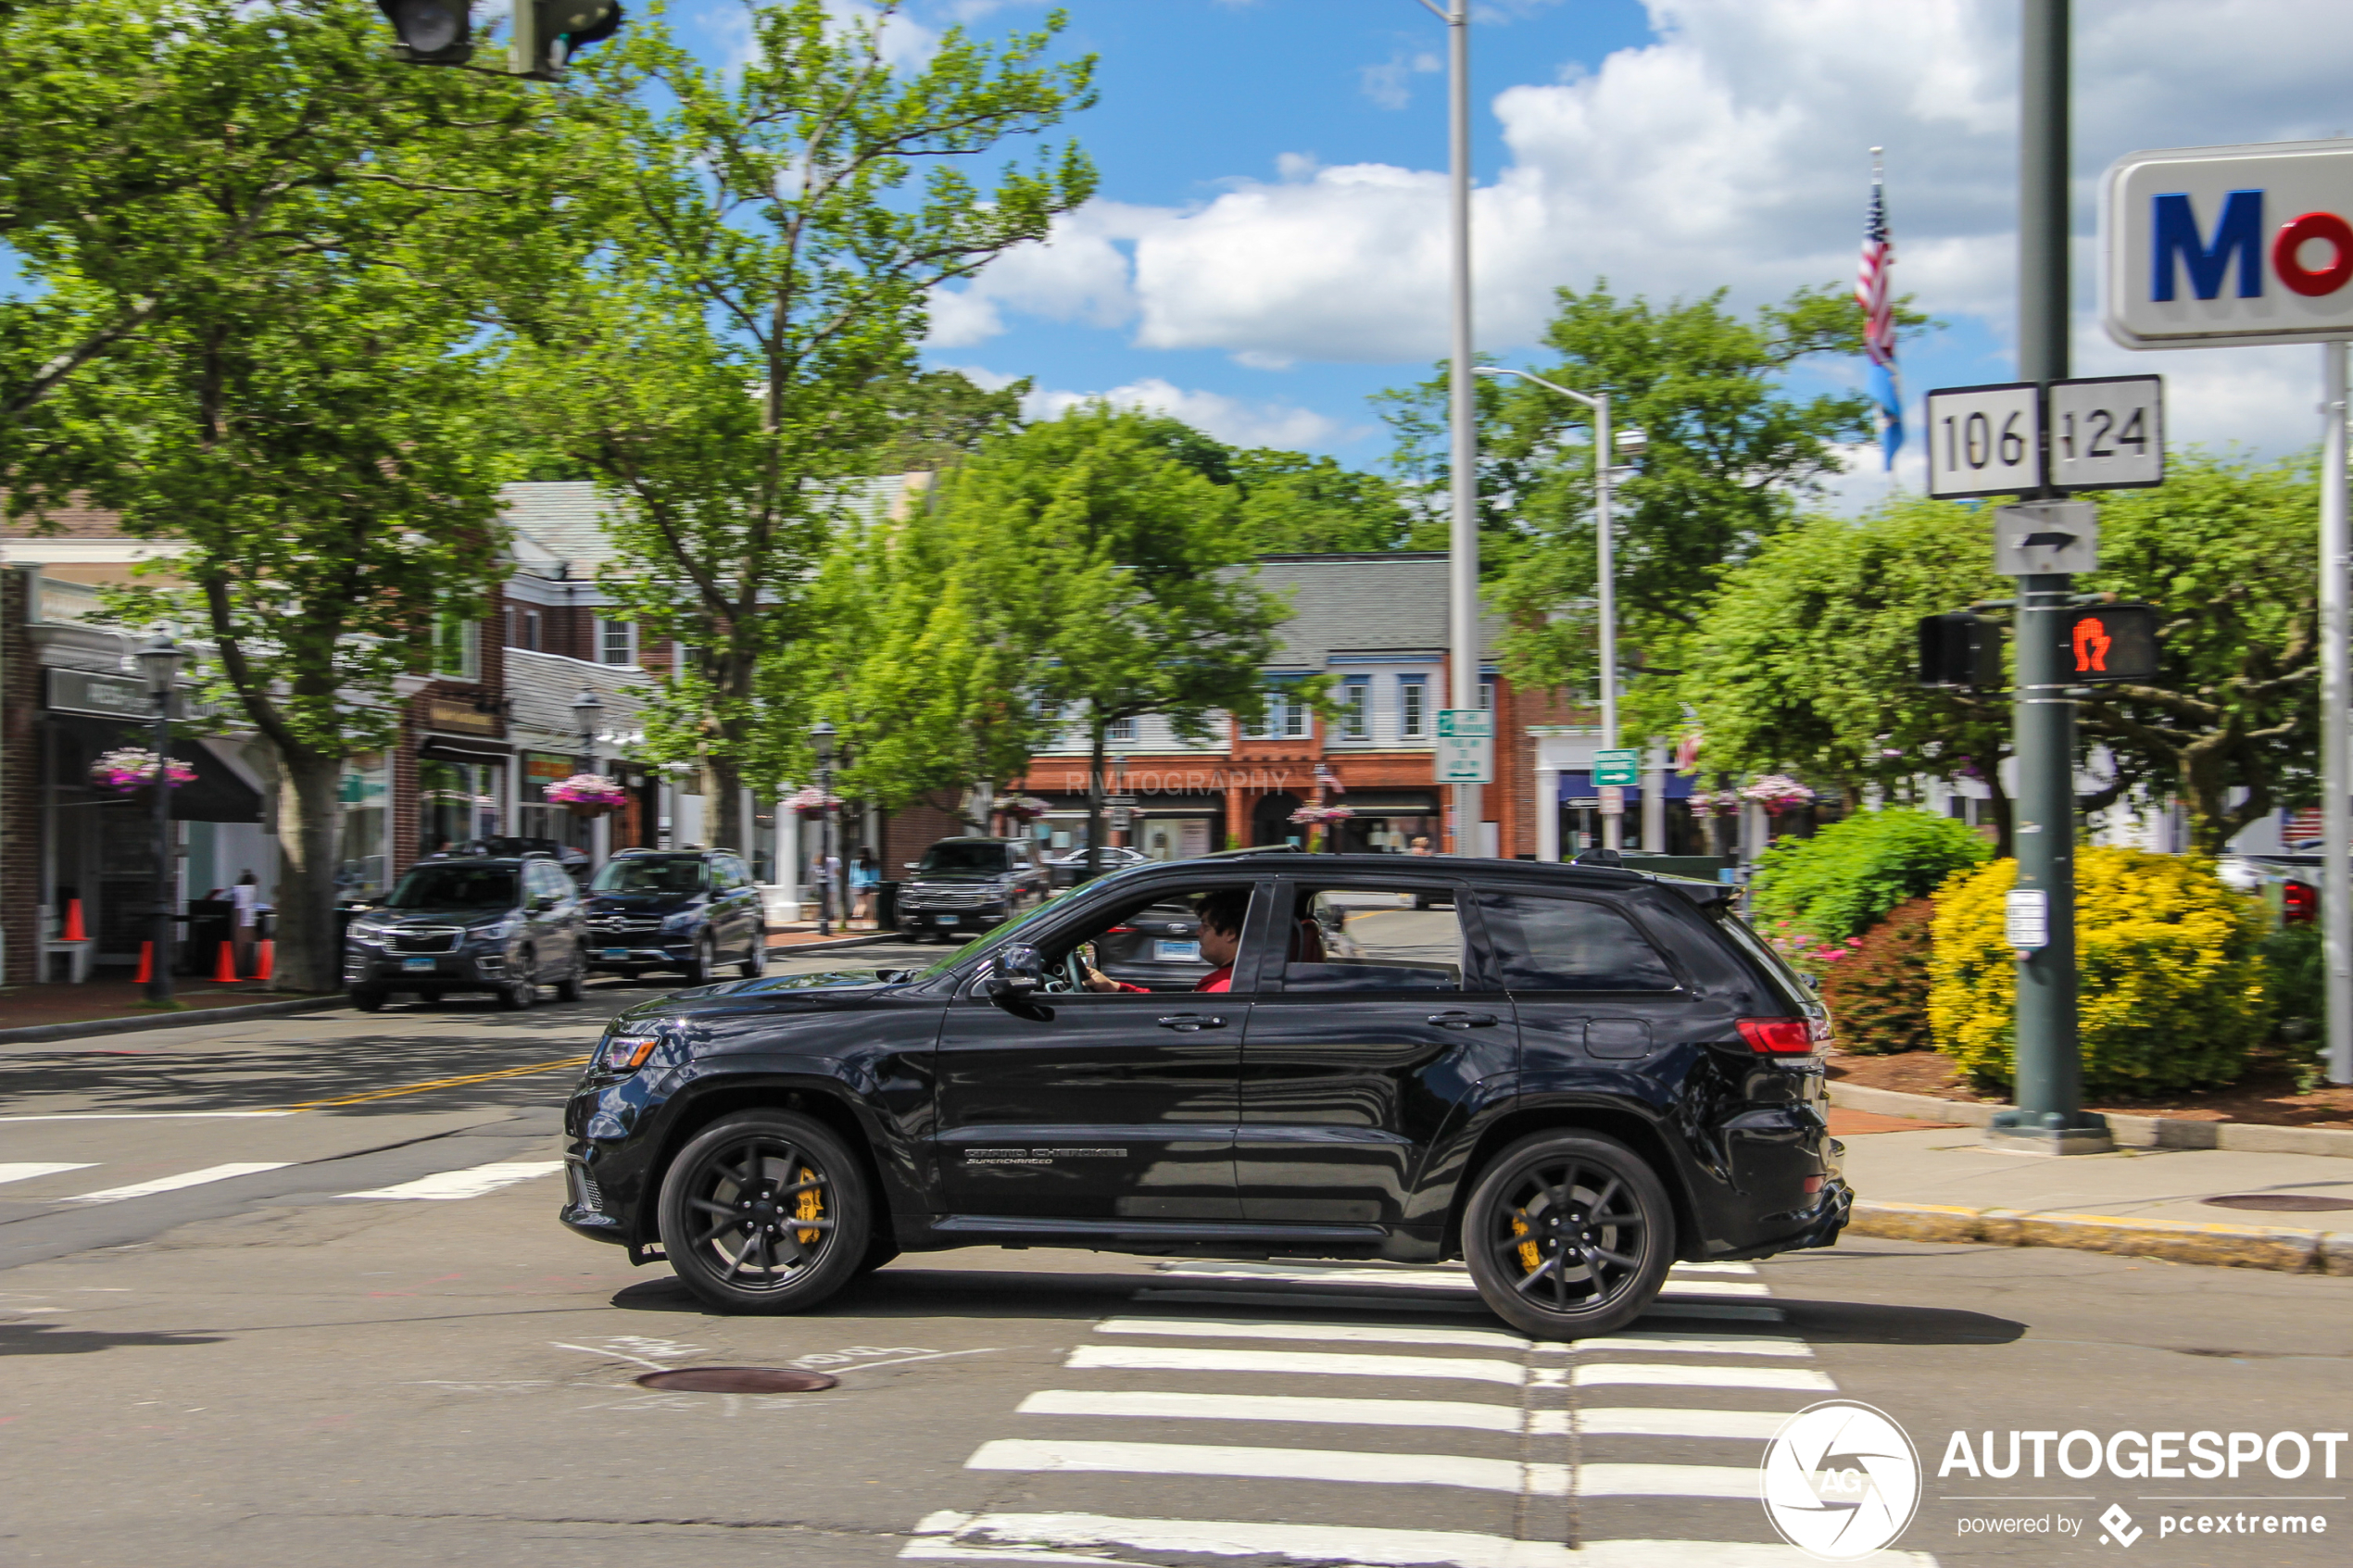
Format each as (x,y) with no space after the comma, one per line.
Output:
(363,857)
(459,796)
(1387,821)
(535,818)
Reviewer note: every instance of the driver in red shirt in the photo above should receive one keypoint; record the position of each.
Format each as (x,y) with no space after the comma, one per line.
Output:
(1220,914)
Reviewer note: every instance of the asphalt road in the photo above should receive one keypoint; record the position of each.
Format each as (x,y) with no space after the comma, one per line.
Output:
(361,1337)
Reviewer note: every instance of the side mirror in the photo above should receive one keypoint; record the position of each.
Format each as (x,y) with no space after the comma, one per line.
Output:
(542,903)
(1018,974)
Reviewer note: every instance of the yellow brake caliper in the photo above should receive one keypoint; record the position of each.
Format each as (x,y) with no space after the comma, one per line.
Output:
(812,1206)
(1529,1258)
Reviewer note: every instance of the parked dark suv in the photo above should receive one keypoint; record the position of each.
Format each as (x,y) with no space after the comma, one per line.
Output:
(688,910)
(1568,1077)
(503,923)
(962,886)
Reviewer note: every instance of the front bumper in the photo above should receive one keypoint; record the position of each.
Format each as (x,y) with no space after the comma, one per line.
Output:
(639,950)
(974,918)
(462,971)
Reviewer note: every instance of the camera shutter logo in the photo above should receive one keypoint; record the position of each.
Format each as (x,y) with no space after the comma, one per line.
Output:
(1840,1481)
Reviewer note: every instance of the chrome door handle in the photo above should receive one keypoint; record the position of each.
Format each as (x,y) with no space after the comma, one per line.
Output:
(1190,1022)
(1463,1020)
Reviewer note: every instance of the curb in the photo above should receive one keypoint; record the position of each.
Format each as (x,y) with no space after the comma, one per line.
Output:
(2173,1241)
(2130,1132)
(84,1028)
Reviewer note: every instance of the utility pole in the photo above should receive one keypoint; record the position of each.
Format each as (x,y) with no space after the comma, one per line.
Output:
(1461,578)
(2336,788)
(2048,1092)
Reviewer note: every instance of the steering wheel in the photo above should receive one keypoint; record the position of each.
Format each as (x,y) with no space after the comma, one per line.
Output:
(1065,976)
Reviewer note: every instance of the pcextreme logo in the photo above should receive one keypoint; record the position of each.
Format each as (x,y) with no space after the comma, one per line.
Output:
(1840,1481)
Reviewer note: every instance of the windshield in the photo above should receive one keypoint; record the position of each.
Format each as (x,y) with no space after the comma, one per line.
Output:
(454,887)
(953,856)
(985,940)
(651,873)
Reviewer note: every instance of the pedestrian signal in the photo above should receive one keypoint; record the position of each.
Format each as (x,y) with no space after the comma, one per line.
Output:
(2106,644)
(1961,650)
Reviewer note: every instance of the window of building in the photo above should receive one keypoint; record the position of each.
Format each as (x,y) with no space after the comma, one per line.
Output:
(1294,717)
(1413,708)
(456,648)
(616,641)
(1120,732)
(525,629)
(1486,695)
(1356,713)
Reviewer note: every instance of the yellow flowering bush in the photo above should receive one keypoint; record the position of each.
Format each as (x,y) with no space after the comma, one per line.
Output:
(2169,979)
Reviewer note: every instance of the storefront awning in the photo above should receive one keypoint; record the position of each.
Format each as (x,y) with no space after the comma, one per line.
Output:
(215,795)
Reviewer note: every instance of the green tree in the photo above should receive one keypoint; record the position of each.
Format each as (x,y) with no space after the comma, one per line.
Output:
(1807,657)
(774,231)
(2227,549)
(304,420)
(1294,503)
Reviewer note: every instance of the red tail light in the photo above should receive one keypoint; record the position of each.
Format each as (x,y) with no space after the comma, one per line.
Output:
(1778,1036)
(2299,903)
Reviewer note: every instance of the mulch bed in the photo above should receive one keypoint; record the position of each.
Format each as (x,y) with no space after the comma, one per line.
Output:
(2266,1095)
(25,1005)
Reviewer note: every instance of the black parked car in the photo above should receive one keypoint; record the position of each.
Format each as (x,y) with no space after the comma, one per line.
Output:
(505,924)
(962,886)
(1568,1077)
(688,910)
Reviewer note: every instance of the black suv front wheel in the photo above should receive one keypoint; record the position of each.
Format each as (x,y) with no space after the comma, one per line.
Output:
(765,1211)
(1568,1234)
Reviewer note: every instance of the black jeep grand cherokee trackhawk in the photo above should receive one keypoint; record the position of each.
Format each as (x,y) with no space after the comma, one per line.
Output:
(1568,1077)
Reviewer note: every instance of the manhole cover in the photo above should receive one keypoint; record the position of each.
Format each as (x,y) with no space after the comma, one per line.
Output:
(738,1380)
(2281,1202)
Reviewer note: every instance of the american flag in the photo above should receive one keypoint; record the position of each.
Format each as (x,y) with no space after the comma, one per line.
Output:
(1879,317)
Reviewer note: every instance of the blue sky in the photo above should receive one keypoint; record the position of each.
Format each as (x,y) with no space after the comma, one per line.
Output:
(1268,244)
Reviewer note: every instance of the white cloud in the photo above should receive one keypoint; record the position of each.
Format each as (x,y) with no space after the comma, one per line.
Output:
(1230,420)
(1077,274)
(1390,84)
(1730,152)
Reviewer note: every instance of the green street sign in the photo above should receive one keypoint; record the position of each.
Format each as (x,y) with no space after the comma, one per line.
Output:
(1622,766)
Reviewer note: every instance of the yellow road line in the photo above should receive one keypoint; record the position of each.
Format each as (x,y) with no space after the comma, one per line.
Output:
(442,1084)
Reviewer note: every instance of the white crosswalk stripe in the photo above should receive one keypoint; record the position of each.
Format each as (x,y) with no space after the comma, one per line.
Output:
(1519,1400)
(174,1184)
(25,1170)
(471,1182)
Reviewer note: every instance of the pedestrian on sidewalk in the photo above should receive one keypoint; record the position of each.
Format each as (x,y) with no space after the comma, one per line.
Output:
(865,873)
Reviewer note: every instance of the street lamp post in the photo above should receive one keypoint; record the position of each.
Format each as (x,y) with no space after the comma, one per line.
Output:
(820,736)
(160,661)
(587,718)
(1632,442)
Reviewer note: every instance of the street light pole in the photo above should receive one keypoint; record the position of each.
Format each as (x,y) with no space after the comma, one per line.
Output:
(820,736)
(1462,542)
(1605,540)
(160,661)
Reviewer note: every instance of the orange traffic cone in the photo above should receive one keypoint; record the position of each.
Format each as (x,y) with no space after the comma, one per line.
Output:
(224,970)
(269,960)
(74,932)
(146,964)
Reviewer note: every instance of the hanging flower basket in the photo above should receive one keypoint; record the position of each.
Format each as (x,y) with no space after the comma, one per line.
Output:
(813,802)
(588,795)
(1724,803)
(132,769)
(1308,816)
(1023,807)
(1778,793)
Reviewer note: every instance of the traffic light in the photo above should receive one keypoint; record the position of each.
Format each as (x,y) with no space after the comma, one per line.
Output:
(1961,650)
(2106,643)
(549,32)
(430,33)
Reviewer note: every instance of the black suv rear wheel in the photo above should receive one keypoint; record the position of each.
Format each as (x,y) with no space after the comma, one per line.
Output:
(765,1211)
(1568,1234)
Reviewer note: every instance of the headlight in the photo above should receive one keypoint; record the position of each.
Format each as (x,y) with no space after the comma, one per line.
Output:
(363,931)
(496,931)
(683,921)
(625,1052)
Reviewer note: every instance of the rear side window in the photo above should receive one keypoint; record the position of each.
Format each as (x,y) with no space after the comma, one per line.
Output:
(1784,979)
(1546,944)
(1352,939)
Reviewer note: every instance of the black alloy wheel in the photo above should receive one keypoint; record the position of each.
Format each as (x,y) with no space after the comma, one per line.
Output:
(765,1211)
(1568,1234)
(704,965)
(522,991)
(572,988)
(368,998)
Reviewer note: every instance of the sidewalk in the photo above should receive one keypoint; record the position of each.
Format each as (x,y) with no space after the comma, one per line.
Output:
(1919,1180)
(32,1006)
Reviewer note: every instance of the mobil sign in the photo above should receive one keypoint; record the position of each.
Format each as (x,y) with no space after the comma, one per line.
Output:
(2211,246)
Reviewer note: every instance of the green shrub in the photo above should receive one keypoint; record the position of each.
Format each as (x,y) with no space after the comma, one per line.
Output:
(1839,882)
(1878,991)
(2169,978)
(2295,975)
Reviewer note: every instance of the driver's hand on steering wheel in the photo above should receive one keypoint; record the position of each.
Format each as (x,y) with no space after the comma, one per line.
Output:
(1096,980)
